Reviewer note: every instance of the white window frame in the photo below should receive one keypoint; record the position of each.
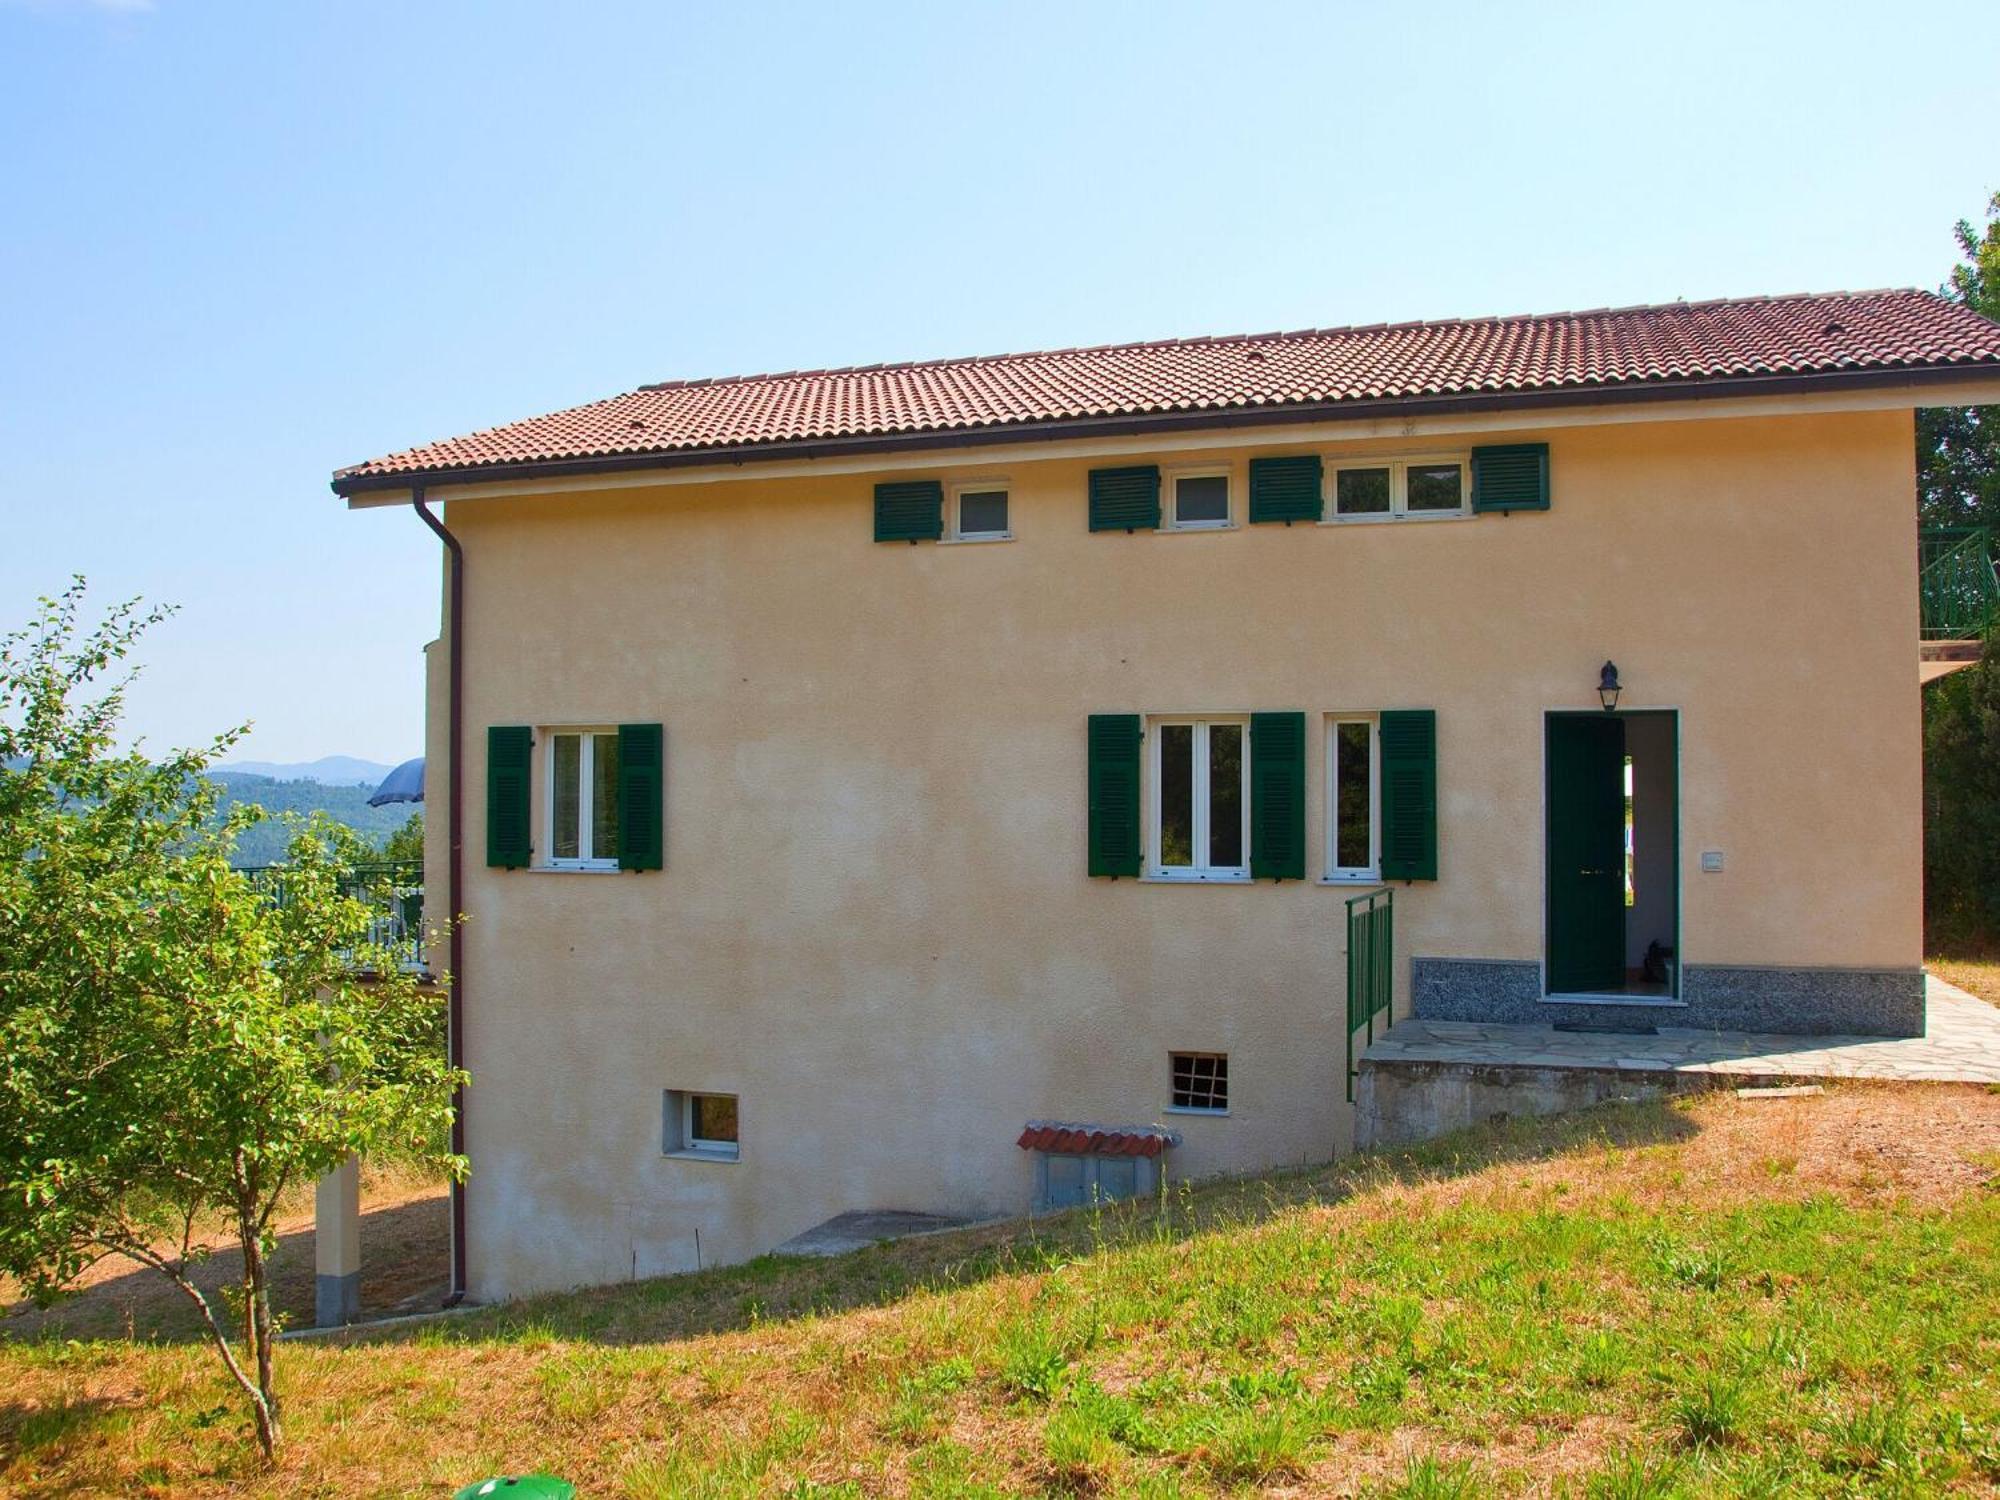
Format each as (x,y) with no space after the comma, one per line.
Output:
(957,490)
(681,1139)
(1170,519)
(1201,872)
(1399,467)
(586,783)
(1337,873)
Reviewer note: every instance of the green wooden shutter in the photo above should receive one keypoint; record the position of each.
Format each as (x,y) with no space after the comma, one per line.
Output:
(1409,794)
(509,754)
(1278,796)
(1285,489)
(1126,499)
(909,511)
(1115,845)
(1511,476)
(641,795)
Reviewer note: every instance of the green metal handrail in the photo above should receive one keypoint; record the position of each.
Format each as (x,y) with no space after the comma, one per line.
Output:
(1958,588)
(1371,966)
(395,888)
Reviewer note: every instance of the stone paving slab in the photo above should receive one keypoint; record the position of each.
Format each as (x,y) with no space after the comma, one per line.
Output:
(1962,1046)
(865,1227)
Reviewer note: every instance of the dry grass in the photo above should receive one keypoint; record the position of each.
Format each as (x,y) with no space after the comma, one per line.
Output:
(1721,1296)
(1978,976)
(405,1253)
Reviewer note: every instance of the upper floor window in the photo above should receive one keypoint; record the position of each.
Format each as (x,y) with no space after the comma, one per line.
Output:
(1201,815)
(583,799)
(1198,500)
(1353,799)
(1399,489)
(979,512)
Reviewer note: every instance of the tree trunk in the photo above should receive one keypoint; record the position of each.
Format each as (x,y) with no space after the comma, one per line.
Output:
(267,1427)
(257,1317)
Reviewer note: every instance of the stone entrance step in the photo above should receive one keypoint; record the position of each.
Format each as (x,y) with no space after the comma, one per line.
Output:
(1424,1078)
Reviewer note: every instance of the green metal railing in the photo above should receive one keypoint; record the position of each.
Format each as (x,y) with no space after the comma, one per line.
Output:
(393,888)
(1371,966)
(1957,585)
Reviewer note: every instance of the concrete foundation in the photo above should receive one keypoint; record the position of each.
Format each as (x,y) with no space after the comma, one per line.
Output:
(337,1245)
(1401,1102)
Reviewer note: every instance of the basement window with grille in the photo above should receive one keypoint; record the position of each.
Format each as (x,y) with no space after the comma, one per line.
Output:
(1200,1082)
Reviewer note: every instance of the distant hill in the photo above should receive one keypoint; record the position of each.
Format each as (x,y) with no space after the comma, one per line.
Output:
(329,770)
(265,843)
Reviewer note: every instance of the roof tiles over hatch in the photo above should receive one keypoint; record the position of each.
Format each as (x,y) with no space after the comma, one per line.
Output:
(1840,333)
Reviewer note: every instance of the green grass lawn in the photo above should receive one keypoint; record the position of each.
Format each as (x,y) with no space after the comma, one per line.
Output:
(1724,1297)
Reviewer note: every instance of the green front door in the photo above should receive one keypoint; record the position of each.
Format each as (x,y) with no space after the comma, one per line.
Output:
(1586,852)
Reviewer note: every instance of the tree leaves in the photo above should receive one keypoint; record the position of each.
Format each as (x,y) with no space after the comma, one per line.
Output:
(176,1046)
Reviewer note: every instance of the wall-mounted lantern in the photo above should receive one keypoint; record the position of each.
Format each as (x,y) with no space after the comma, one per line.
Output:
(1608,687)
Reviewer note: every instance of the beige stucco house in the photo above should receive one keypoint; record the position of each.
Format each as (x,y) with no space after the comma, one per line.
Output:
(864,787)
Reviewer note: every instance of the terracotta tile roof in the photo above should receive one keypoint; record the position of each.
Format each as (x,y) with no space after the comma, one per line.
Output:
(1836,334)
(1096,1140)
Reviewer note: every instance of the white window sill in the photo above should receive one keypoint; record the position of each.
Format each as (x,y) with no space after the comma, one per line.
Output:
(1364,877)
(1637,1002)
(1156,878)
(1189,1109)
(973,541)
(1196,526)
(705,1153)
(592,869)
(1378,520)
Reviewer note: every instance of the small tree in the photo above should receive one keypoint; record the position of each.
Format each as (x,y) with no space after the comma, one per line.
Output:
(406,844)
(1962,808)
(1958,447)
(177,1048)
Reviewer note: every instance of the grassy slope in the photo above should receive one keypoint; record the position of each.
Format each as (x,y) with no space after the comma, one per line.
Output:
(1727,1297)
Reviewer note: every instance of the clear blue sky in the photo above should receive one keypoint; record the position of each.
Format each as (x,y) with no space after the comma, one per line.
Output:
(242,244)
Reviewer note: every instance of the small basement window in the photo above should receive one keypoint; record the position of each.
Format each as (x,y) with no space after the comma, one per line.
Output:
(701,1125)
(979,512)
(582,799)
(1199,501)
(1201,1081)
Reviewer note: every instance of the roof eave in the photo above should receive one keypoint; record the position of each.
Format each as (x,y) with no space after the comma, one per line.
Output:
(349,484)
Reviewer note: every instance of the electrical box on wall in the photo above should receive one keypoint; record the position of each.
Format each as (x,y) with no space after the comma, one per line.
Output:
(1711,861)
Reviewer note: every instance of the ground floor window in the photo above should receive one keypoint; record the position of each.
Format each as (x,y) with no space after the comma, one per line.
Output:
(1353,798)
(583,798)
(1201,817)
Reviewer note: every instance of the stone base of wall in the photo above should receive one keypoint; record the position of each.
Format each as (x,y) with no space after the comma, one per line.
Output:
(1806,1002)
(1397,1103)
(1714,997)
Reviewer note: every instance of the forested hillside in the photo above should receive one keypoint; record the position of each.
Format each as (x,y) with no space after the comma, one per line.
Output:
(265,843)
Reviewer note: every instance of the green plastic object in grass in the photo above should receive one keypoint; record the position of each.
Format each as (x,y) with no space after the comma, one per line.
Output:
(519,1487)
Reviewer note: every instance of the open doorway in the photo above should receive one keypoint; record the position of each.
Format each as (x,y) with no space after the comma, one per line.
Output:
(1613,831)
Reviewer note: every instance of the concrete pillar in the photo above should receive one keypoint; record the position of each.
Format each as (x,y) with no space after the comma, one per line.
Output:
(337,1245)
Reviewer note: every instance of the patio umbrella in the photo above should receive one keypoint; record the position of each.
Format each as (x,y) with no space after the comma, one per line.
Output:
(404,784)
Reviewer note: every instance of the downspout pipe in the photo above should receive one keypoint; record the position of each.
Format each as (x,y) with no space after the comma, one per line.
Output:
(455,850)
